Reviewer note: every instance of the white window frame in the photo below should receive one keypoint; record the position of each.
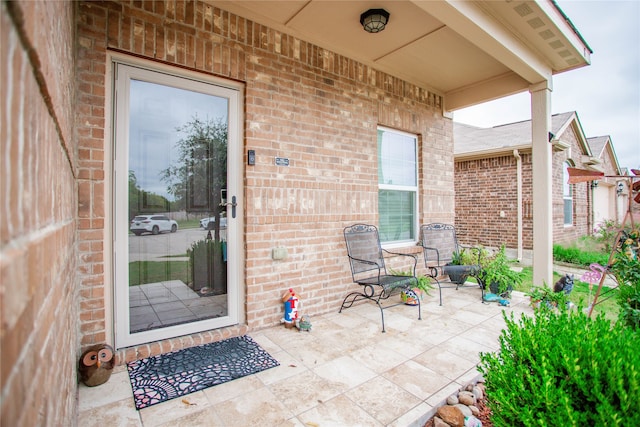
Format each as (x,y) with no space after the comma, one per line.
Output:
(567,195)
(406,188)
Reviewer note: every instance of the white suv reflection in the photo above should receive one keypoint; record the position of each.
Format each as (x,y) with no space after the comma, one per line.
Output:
(204,222)
(153,224)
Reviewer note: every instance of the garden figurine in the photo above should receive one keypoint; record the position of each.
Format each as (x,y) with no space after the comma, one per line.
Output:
(291,303)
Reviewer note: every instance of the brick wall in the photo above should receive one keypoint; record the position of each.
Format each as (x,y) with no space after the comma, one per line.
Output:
(315,107)
(582,195)
(486,201)
(486,188)
(38,335)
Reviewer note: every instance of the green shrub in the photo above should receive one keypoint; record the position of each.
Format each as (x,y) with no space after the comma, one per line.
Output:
(626,268)
(573,255)
(563,369)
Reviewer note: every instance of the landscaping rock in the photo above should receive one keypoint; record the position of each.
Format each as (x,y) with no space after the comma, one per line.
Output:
(451,415)
(464,409)
(478,392)
(461,409)
(467,398)
(437,422)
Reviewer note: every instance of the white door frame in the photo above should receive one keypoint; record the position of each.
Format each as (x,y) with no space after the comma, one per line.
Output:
(116,231)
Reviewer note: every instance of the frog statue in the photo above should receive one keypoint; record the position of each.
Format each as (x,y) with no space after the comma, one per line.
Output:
(304,324)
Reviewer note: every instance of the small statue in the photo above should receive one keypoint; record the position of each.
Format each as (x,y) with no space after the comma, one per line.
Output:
(96,364)
(304,324)
(291,303)
(564,284)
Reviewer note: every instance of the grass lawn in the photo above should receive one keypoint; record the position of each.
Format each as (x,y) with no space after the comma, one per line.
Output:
(154,271)
(607,302)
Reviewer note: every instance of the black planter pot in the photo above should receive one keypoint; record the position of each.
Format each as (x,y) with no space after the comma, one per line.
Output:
(458,273)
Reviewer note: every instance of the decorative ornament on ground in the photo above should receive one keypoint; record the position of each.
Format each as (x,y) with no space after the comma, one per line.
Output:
(96,364)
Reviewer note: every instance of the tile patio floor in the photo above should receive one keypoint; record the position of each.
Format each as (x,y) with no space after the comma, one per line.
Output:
(345,372)
(153,305)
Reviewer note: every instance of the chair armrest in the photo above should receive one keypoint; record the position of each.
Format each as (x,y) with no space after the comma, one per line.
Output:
(364,261)
(414,257)
(426,249)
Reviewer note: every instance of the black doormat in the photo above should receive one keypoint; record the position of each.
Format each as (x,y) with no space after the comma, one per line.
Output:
(167,376)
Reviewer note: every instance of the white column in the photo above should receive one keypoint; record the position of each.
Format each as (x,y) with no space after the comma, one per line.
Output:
(542,184)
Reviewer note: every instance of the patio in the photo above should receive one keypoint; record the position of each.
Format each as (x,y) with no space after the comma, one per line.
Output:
(345,372)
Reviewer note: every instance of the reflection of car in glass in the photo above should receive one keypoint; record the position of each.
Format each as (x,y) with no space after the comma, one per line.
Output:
(204,222)
(153,224)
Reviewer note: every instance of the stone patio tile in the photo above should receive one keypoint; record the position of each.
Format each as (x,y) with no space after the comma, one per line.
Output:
(466,348)
(383,400)
(256,408)
(117,388)
(345,371)
(289,367)
(174,409)
(232,389)
(118,413)
(302,392)
(338,412)
(416,417)
(444,363)
(417,379)
(204,417)
(378,357)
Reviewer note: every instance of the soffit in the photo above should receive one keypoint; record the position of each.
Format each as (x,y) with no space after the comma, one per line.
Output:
(469,52)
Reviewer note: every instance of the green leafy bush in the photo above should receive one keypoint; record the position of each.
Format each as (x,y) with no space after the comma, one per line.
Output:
(573,255)
(626,268)
(563,369)
(497,271)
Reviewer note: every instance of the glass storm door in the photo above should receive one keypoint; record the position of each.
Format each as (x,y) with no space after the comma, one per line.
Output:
(176,205)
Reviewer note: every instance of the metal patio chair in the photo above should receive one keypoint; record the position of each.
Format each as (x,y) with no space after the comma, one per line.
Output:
(368,269)
(440,246)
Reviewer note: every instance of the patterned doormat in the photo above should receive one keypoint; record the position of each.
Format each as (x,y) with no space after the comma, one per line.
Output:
(170,375)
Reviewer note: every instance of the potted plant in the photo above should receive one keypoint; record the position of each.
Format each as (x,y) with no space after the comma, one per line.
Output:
(498,276)
(543,296)
(538,294)
(460,267)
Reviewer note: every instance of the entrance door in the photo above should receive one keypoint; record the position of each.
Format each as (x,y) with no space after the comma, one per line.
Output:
(176,205)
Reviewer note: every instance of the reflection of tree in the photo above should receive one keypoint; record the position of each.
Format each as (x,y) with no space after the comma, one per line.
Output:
(141,201)
(196,179)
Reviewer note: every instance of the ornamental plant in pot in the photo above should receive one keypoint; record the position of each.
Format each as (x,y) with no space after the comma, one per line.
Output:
(462,266)
(544,296)
(497,275)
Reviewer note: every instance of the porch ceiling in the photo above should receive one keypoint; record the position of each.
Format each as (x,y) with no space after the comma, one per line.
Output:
(469,52)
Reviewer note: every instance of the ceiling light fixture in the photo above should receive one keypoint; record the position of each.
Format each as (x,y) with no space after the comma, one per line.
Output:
(374,20)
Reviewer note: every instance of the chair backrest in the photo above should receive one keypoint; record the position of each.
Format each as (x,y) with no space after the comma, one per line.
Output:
(439,242)
(363,248)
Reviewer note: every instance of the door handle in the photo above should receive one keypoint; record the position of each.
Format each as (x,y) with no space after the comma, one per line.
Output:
(233,205)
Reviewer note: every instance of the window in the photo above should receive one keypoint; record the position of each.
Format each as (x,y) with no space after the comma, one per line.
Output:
(567,196)
(397,186)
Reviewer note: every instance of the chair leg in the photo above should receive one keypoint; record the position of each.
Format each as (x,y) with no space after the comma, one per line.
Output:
(439,290)
(382,314)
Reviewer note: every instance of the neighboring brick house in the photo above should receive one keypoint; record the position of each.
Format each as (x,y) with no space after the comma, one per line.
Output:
(89,93)
(494,204)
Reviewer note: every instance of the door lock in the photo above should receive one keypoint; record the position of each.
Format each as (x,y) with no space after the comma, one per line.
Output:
(233,205)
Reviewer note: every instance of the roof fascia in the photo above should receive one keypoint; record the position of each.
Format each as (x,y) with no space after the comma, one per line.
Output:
(492,152)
